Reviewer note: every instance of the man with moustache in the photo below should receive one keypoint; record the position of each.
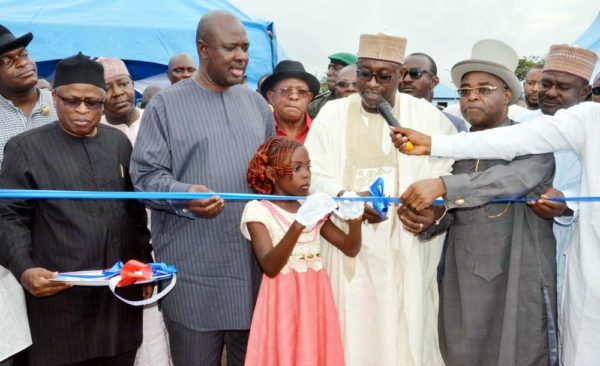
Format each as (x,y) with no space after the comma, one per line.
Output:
(497,287)
(22,106)
(564,82)
(74,324)
(337,61)
(530,86)
(421,79)
(198,136)
(181,66)
(387,296)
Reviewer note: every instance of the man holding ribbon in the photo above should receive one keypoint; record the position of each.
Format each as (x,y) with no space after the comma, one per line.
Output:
(198,136)
(497,275)
(387,296)
(70,325)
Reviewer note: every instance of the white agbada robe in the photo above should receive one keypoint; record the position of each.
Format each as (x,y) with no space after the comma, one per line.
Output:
(388,310)
(576,129)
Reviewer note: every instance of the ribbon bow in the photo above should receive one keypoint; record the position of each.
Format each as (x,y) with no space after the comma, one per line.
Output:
(381,205)
(134,271)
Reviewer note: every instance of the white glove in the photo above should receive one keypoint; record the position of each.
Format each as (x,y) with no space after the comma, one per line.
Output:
(316,206)
(349,210)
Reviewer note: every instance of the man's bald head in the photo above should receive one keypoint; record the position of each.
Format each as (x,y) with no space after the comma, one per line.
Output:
(181,66)
(213,21)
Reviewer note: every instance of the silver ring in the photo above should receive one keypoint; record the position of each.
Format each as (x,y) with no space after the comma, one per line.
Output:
(421,227)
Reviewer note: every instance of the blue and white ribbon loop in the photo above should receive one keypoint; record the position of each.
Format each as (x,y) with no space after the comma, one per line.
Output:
(381,205)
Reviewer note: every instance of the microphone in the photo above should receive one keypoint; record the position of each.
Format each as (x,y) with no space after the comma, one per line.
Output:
(385,109)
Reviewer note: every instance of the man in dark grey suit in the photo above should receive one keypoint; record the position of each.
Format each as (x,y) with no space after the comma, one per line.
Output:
(198,136)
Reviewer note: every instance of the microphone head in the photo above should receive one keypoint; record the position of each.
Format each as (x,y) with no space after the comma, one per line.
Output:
(383,104)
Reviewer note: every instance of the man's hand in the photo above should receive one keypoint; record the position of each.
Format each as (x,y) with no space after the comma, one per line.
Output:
(208,207)
(547,209)
(421,194)
(36,281)
(418,221)
(370,214)
(421,143)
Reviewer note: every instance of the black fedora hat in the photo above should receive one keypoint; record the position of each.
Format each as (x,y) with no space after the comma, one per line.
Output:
(290,69)
(9,42)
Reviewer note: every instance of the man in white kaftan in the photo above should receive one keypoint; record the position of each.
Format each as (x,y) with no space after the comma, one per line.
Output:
(387,296)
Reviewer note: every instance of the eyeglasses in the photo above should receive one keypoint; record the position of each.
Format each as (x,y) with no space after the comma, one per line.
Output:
(367,75)
(481,91)
(345,84)
(596,90)
(9,61)
(287,92)
(74,103)
(416,72)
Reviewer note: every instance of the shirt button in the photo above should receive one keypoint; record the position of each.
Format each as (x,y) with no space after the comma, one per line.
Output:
(459,202)
(185,210)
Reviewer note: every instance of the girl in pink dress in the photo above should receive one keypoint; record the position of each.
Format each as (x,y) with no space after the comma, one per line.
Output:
(295,320)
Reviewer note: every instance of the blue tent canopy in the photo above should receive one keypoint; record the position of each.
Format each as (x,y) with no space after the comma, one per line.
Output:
(590,39)
(145,34)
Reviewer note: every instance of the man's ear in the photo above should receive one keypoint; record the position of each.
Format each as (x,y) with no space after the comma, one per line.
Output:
(507,96)
(585,91)
(202,49)
(434,81)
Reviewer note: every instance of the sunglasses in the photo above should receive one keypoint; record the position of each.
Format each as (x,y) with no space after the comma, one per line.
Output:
(345,84)
(367,75)
(416,72)
(287,92)
(74,103)
(596,90)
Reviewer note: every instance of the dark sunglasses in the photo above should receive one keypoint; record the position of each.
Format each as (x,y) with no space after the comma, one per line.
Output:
(416,72)
(596,90)
(367,75)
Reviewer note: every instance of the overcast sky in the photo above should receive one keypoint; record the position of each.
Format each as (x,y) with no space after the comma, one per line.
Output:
(310,30)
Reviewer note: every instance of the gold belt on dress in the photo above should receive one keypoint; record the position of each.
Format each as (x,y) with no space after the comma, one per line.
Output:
(305,256)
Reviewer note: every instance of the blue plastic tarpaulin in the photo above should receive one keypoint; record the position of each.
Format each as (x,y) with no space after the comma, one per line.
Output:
(145,34)
(590,39)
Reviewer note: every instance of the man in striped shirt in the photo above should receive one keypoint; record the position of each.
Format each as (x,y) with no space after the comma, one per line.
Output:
(198,136)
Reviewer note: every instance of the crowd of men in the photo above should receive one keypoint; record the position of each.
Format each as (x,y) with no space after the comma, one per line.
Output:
(470,282)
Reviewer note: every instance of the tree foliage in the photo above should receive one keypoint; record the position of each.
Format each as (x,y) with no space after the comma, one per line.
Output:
(525,63)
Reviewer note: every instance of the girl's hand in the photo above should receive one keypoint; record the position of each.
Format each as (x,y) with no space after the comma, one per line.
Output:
(317,205)
(350,210)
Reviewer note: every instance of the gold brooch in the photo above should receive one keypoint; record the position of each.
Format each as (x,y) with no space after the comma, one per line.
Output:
(45,111)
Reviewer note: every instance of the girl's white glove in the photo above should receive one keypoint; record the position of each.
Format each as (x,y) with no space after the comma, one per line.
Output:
(316,206)
(349,210)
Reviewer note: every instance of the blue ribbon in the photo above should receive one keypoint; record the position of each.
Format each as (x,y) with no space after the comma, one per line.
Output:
(52,194)
(381,205)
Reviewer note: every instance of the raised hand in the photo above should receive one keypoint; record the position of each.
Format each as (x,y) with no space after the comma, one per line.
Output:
(410,142)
